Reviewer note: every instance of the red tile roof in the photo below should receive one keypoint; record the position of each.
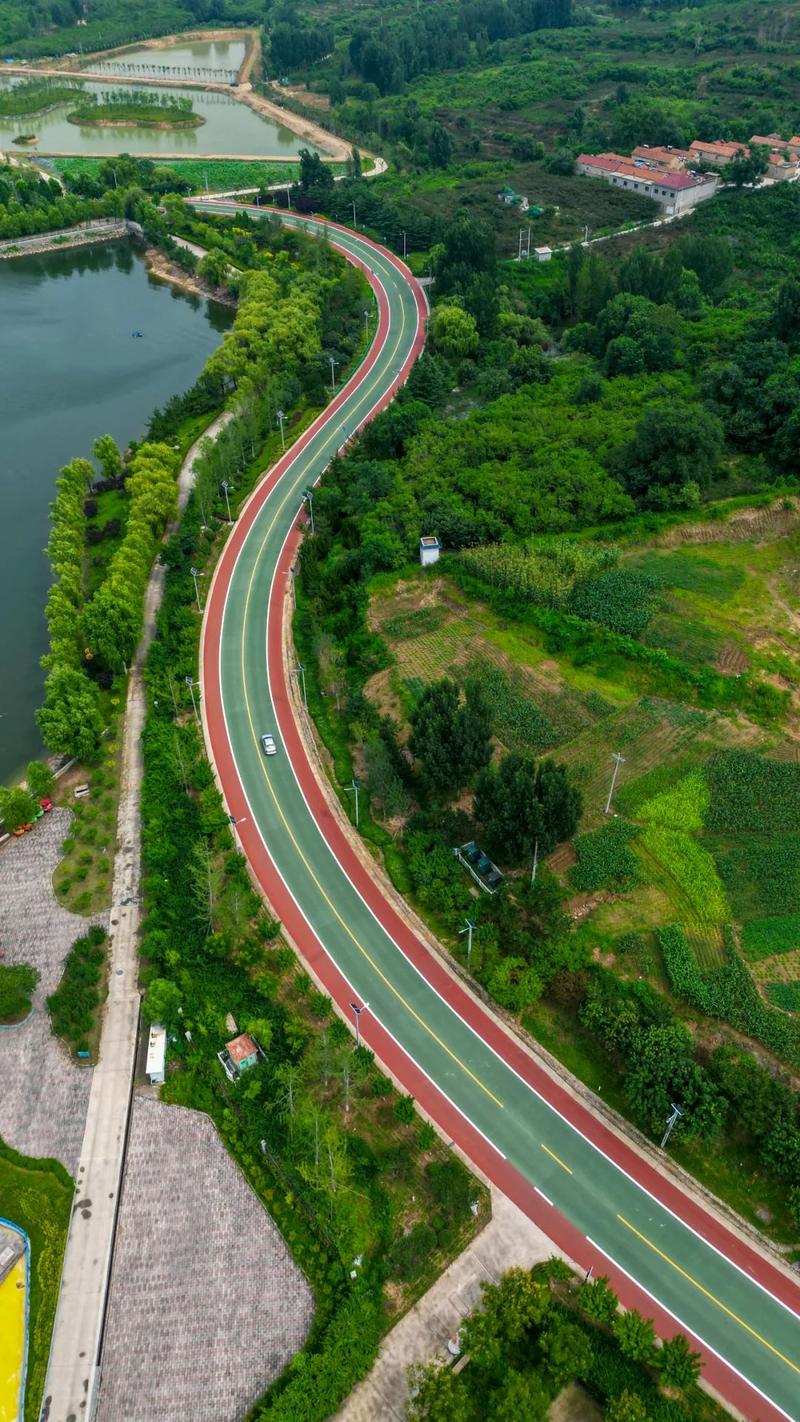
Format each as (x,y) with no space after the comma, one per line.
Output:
(241,1048)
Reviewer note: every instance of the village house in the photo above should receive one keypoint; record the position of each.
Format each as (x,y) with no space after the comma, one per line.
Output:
(674,191)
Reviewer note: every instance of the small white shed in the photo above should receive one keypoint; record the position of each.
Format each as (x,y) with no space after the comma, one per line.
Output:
(429,550)
(543,254)
(156,1054)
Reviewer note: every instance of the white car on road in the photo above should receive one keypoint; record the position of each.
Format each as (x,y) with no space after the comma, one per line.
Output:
(268,745)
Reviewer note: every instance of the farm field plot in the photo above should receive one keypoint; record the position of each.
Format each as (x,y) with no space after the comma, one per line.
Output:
(715,840)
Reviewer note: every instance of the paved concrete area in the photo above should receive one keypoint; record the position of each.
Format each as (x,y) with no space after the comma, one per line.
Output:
(206,1303)
(509,1239)
(43,1094)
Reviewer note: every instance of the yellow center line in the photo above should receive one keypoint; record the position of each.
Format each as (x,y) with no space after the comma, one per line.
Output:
(356,941)
(555,1157)
(711,1297)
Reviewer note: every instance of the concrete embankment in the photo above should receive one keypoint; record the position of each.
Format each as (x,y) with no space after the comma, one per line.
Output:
(103,230)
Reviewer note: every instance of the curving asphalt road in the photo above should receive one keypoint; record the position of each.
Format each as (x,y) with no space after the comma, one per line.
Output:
(596,1196)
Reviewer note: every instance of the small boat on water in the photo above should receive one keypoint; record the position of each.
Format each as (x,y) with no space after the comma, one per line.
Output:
(137,334)
(26,138)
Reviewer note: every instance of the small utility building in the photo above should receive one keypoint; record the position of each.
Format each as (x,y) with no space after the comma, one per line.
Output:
(156,1054)
(243,1052)
(429,550)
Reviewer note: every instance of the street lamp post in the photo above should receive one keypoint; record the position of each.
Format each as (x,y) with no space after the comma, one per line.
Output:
(405,246)
(674,1118)
(195,572)
(333,364)
(354,787)
(469,930)
(535,862)
(309,497)
(366,322)
(301,672)
(357,1011)
(280,417)
(225,486)
(191,685)
(355,220)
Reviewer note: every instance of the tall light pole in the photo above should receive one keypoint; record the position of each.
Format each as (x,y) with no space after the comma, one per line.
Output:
(309,498)
(357,1011)
(405,246)
(674,1118)
(354,787)
(301,672)
(333,364)
(191,685)
(280,417)
(469,930)
(225,486)
(355,220)
(366,323)
(618,761)
(195,572)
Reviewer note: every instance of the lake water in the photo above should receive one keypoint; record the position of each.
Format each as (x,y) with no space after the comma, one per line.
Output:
(221,56)
(71,371)
(229,128)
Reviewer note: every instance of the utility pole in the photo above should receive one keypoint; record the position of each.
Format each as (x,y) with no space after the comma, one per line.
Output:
(357,1012)
(280,417)
(405,246)
(674,1118)
(535,862)
(191,685)
(333,364)
(469,930)
(355,220)
(618,761)
(519,246)
(309,497)
(225,486)
(195,572)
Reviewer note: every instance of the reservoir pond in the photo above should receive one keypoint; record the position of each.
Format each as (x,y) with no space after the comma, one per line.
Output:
(70,370)
(230,129)
(221,56)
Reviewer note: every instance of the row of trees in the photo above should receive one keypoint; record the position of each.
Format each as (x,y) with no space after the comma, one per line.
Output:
(537,1331)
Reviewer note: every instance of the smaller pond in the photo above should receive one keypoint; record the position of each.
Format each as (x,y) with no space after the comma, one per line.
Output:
(218,57)
(229,129)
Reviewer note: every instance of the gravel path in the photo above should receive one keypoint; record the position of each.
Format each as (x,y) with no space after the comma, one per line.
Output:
(43,1094)
(206,1304)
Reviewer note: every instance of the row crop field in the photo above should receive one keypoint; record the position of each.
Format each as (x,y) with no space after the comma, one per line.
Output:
(705,814)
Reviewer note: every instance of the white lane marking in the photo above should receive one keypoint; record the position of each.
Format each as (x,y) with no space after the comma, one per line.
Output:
(507,1065)
(544,1197)
(692,1332)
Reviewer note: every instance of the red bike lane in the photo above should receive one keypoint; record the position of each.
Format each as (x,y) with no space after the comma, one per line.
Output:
(721,1376)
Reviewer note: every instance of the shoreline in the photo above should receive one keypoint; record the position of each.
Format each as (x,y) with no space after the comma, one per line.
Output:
(161,268)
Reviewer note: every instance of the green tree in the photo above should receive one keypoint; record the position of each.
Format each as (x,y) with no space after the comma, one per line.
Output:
(106,450)
(521,1397)
(70,719)
(635,1336)
(676,447)
(450,739)
(747,168)
(314,174)
(214,267)
(521,802)
(17,806)
(786,318)
(162,1003)
(598,1300)
(40,779)
(453,331)
(664,1071)
(566,1351)
(437,1395)
(679,1366)
(627,1407)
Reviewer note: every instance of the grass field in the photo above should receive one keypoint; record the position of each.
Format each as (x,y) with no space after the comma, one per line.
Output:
(37,1196)
(730,584)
